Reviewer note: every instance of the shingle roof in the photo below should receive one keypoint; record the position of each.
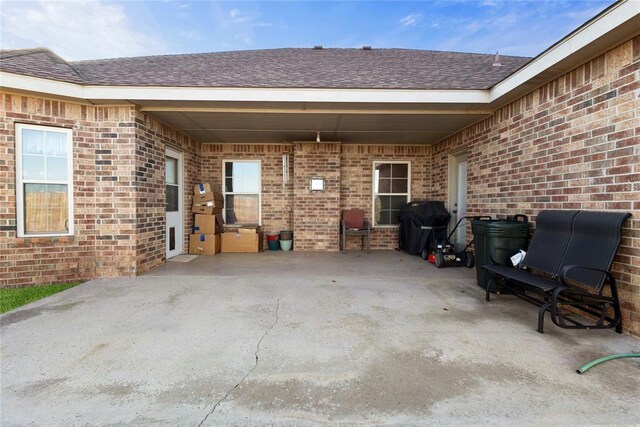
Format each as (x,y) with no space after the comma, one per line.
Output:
(277,68)
(39,63)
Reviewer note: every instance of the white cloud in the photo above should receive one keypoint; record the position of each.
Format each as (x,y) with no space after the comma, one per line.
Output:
(75,30)
(191,35)
(236,24)
(584,15)
(248,18)
(411,19)
(489,3)
(239,17)
(233,13)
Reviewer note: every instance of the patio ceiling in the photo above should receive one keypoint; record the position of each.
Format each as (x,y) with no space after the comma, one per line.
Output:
(350,124)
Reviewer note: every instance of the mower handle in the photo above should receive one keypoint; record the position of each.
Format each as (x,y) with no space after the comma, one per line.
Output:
(465,217)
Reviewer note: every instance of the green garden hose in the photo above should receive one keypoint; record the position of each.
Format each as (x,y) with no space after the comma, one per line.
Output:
(595,362)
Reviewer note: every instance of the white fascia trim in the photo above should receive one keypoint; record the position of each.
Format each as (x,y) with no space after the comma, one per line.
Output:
(590,32)
(45,86)
(134,93)
(155,93)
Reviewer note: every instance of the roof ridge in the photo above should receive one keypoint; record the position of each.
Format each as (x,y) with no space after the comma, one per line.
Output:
(13,53)
(168,55)
(194,54)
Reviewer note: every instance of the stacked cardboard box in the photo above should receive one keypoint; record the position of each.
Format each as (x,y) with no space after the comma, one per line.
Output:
(207,224)
(242,239)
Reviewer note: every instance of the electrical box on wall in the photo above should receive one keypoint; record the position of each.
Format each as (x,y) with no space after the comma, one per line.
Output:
(316,183)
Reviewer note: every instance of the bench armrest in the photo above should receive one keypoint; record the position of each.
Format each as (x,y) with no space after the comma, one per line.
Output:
(563,273)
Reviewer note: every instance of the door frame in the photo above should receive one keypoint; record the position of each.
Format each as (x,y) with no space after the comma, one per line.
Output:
(455,158)
(170,152)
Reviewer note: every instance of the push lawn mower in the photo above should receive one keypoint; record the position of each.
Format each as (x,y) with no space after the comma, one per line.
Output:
(445,254)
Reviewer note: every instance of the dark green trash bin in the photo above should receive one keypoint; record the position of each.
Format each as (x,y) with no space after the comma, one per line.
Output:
(498,239)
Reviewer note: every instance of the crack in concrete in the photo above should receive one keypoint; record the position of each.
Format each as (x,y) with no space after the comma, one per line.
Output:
(275,322)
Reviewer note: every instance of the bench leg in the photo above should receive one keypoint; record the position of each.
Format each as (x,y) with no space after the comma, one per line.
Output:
(487,295)
(616,304)
(543,310)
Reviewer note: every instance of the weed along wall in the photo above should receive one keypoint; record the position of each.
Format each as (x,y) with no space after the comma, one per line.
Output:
(572,144)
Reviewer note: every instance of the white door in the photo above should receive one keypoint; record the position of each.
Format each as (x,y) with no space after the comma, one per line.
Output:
(461,203)
(174,193)
(458,197)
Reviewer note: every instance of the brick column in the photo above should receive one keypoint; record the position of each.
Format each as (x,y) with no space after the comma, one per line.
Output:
(316,216)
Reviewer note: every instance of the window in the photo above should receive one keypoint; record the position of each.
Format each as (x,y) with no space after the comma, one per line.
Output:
(44,186)
(172,186)
(390,191)
(242,198)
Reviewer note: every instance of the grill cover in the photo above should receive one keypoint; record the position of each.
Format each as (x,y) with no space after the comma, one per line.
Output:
(413,216)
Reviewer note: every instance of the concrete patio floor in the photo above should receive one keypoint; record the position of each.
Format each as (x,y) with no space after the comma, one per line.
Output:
(304,338)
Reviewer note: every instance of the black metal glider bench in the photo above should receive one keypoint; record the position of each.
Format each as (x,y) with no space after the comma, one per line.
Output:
(566,269)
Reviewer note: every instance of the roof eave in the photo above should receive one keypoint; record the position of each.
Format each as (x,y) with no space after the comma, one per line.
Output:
(110,94)
(613,26)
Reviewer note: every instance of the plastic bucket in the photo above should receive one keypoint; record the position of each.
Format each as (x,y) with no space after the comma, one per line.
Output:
(271,237)
(286,235)
(285,245)
(274,244)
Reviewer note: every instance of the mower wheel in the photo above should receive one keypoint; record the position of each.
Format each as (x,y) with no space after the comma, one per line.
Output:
(425,254)
(439,259)
(470,260)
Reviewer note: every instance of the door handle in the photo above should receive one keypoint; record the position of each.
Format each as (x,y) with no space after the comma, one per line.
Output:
(454,211)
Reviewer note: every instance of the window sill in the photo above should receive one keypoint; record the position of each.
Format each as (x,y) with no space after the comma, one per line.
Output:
(41,236)
(384,227)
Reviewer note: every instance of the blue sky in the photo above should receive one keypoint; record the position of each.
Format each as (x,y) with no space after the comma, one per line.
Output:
(104,29)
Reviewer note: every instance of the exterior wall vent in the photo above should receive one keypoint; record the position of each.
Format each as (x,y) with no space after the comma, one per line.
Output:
(496,60)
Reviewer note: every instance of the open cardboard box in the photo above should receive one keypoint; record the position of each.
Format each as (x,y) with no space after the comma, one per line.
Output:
(242,242)
(201,188)
(205,210)
(210,198)
(244,229)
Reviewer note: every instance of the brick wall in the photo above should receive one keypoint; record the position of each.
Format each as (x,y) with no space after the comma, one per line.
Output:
(356,185)
(114,195)
(316,223)
(316,215)
(574,143)
(277,199)
(152,138)
(100,135)
(112,147)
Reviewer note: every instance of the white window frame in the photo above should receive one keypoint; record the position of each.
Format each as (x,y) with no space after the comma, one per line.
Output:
(224,187)
(374,194)
(19,128)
